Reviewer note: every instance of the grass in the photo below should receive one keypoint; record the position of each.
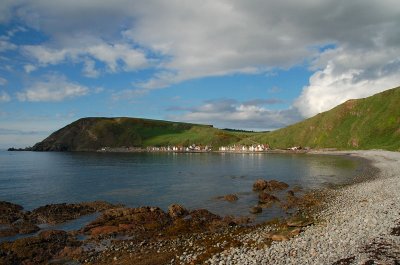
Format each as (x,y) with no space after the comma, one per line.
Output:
(369,123)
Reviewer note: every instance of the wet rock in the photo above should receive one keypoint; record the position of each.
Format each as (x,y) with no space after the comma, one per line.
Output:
(237,220)
(284,234)
(35,250)
(7,230)
(24,227)
(279,237)
(59,213)
(274,185)
(266,198)
(260,184)
(271,185)
(290,193)
(10,212)
(129,219)
(203,216)
(176,211)
(299,221)
(255,209)
(231,197)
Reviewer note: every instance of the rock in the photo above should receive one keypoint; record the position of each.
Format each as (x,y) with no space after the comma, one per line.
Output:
(231,197)
(7,230)
(203,216)
(271,185)
(295,232)
(290,193)
(299,221)
(255,209)
(260,184)
(35,250)
(274,185)
(129,219)
(176,211)
(10,212)
(237,220)
(24,227)
(279,237)
(60,213)
(267,198)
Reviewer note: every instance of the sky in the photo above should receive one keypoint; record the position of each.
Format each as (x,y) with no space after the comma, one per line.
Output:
(254,65)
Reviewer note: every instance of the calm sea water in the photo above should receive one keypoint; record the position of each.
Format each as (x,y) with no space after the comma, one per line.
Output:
(33,179)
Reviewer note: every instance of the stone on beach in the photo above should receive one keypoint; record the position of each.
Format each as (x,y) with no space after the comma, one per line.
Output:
(177,210)
(348,229)
(299,221)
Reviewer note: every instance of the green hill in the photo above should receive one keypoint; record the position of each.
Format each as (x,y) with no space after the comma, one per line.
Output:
(90,134)
(368,123)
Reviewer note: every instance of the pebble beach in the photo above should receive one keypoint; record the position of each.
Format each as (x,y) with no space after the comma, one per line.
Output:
(359,225)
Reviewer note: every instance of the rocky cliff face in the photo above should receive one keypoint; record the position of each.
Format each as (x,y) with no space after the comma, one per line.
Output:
(72,137)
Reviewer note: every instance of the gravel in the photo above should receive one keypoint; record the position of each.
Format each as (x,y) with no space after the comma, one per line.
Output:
(355,227)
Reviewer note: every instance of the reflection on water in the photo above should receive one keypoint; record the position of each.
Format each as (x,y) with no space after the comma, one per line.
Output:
(136,179)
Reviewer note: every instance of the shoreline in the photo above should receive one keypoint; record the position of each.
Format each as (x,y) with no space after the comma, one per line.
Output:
(359,224)
(355,224)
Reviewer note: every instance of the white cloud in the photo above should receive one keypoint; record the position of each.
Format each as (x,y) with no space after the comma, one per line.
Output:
(112,54)
(89,69)
(29,68)
(4,97)
(213,38)
(116,56)
(5,45)
(3,81)
(45,55)
(349,74)
(6,7)
(53,88)
(228,113)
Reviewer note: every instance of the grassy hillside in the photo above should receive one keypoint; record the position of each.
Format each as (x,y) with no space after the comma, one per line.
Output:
(93,133)
(369,123)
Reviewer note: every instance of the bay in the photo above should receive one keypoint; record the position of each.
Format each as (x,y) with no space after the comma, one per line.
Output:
(195,180)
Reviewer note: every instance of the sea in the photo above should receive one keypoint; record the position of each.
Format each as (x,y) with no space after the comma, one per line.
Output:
(194,180)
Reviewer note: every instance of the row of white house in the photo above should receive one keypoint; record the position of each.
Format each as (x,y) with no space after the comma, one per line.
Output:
(191,148)
(245,148)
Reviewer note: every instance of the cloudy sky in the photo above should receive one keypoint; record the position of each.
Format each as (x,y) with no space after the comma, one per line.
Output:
(257,65)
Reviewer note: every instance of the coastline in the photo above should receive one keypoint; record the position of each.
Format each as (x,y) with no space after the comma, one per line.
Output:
(359,224)
(355,223)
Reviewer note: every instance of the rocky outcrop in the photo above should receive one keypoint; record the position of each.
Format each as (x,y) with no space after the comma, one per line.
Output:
(271,185)
(143,222)
(231,197)
(260,185)
(10,212)
(14,220)
(266,198)
(128,220)
(60,213)
(35,250)
(255,209)
(176,211)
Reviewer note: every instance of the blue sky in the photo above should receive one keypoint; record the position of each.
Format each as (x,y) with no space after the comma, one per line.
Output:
(256,65)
